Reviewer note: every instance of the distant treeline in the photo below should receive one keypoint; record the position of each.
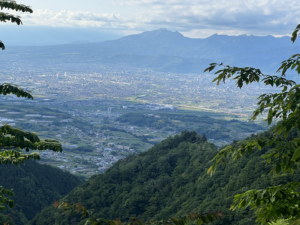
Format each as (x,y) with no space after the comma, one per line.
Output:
(139,119)
(201,124)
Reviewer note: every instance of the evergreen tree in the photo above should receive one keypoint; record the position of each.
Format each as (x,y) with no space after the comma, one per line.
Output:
(15,143)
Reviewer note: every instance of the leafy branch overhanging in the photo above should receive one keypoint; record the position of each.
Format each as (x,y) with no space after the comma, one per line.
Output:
(278,202)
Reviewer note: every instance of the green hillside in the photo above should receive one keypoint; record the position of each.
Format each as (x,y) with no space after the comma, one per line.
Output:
(170,179)
(36,186)
(126,188)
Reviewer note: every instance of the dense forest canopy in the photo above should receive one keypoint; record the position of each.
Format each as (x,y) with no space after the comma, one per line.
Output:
(35,186)
(170,179)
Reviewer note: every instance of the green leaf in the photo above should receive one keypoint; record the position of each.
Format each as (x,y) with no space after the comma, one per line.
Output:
(296,154)
(242,203)
(270,118)
(240,83)
(200,221)
(272,199)
(261,143)
(257,203)
(278,168)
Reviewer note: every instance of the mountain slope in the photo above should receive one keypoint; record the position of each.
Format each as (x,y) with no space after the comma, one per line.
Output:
(164,42)
(161,50)
(170,180)
(35,187)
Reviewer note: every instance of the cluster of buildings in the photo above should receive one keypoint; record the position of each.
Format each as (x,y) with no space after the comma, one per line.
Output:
(92,163)
(160,90)
(69,89)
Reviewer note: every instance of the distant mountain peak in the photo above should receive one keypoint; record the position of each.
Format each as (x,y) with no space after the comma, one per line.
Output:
(162,29)
(160,34)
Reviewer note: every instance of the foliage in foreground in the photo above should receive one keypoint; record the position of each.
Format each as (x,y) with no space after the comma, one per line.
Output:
(276,202)
(279,222)
(199,218)
(14,141)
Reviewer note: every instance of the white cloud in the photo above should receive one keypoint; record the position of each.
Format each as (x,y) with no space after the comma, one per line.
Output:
(197,18)
(71,19)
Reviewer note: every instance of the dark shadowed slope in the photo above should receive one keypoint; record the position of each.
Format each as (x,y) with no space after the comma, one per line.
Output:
(35,187)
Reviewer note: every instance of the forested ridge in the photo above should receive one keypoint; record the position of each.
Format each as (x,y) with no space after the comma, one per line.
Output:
(36,186)
(171,179)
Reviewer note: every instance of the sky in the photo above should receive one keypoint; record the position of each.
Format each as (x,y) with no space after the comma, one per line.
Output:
(193,18)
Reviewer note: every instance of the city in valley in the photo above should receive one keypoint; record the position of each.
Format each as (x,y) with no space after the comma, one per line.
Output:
(113,112)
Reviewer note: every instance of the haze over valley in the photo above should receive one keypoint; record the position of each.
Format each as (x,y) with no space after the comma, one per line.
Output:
(96,92)
(149,112)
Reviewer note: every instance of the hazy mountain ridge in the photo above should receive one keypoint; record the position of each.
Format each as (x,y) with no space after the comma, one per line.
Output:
(166,42)
(43,35)
(166,51)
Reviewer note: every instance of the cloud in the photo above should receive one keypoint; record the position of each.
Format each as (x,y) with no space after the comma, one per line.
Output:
(71,19)
(196,18)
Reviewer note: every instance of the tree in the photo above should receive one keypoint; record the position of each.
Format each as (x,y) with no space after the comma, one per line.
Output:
(278,202)
(15,143)
(88,215)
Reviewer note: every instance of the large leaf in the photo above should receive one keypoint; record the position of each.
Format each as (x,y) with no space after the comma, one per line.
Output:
(296,154)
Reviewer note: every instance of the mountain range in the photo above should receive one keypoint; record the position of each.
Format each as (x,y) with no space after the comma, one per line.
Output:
(163,50)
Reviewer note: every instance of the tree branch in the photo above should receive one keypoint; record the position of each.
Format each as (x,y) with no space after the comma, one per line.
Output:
(6,4)
(4,17)
(14,89)
(2,46)
(16,157)
(4,198)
